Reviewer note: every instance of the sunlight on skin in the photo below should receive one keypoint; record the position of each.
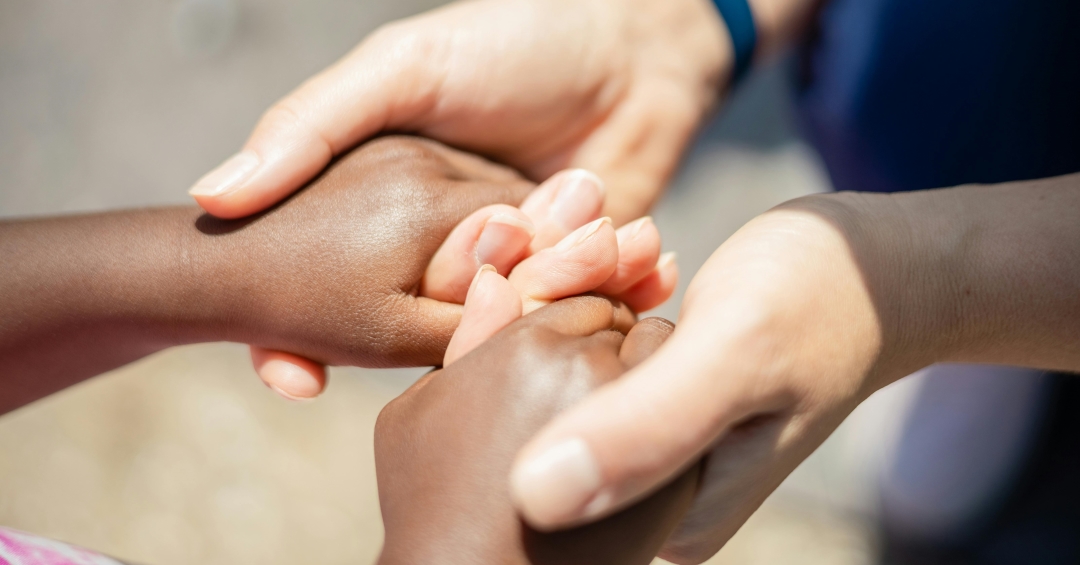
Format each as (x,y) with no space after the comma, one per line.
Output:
(555,245)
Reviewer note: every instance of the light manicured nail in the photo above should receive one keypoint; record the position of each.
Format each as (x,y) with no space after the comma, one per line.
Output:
(666,260)
(630,231)
(558,485)
(228,176)
(476,278)
(503,240)
(581,234)
(281,392)
(580,195)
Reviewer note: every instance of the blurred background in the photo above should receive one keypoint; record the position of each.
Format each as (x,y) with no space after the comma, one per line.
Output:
(184,457)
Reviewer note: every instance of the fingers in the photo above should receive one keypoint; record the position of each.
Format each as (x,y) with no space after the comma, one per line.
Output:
(579,263)
(636,157)
(291,376)
(644,339)
(562,204)
(492,304)
(655,288)
(628,437)
(496,235)
(584,259)
(639,250)
(581,316)
(382,83)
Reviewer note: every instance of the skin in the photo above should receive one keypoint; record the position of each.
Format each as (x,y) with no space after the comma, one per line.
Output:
(791,324)
(332,274)
(367,266)
(444,448)
(544,256)
(614,86)
(799,317)
(818,303)
(625,85)
(105,289)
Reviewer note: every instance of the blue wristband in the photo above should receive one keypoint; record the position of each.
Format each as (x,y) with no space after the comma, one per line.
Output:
(740,25)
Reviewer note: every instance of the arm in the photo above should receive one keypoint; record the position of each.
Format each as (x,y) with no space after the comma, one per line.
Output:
(801,315)
(1009,256)
(615,86)
(82,295)
(332,274)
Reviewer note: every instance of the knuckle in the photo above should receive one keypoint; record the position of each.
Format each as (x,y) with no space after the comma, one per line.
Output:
(403,41)
(388,418)
(530,338)
(283,117)
(389,32)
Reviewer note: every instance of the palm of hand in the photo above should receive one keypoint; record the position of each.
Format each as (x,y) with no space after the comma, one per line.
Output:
(545,86)
(540,85)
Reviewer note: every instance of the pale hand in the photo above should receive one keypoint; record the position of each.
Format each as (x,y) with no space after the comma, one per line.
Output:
(617,87)
(782,334)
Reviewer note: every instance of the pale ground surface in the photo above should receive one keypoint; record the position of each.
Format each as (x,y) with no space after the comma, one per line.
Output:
(184,457)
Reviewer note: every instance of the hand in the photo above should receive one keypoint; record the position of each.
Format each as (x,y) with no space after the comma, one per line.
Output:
(789,325)
(559,261)
(333,274)
(617,87)
(444,448)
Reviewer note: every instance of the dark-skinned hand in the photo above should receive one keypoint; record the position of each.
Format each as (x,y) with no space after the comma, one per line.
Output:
(331,274)
(444,449)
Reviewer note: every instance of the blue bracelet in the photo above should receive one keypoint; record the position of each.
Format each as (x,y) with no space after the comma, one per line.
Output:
(740,24)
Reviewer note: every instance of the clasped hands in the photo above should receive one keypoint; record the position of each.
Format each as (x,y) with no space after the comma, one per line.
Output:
(396,201)
(445,448)
(797,318)
(396,234)
(792,322)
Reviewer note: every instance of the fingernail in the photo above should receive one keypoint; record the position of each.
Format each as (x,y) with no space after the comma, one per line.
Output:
(503,239)
(580,197)
(558,485)
(581,234)
(631,230)
(476,279)
(666,260)
(229,175)
(289,396)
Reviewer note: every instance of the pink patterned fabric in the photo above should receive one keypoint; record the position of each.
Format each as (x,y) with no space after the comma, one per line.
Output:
(19,548)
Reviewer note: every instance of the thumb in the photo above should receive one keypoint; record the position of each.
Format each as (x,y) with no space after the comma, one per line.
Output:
(384,82)
(629,437)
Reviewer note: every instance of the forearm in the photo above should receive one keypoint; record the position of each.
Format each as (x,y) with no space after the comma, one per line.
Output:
(84,294)
(977,274)
(1013,258)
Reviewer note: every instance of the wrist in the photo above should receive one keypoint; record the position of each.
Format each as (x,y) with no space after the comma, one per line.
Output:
(83,295)
(147,275)
(691,37)
(871,268)
(907,265)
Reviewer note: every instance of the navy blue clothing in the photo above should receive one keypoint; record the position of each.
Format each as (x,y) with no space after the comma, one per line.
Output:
(914,94)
